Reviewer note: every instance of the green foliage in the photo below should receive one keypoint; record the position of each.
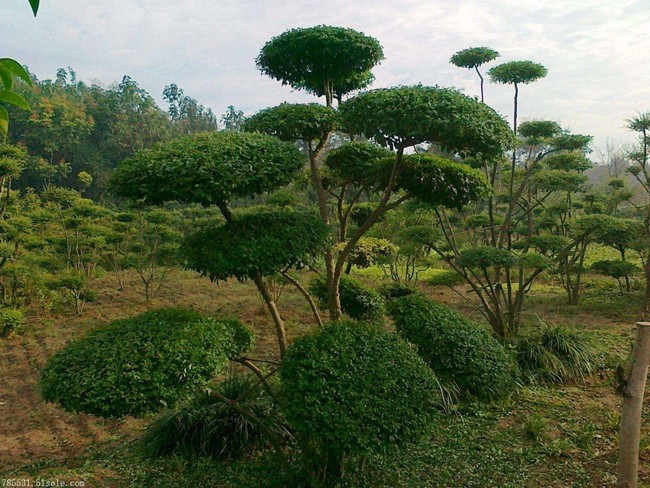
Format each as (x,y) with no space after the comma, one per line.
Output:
(457,350)
(207,426)
(438,181)
(368,250)
(321,59)
(359,301)
(208,168)
(559,180)
(556,355)
(294,122)
(615,268)
(406,116)
(484,257)
(10,68)
(352,389)
(473,57)
(361,211)
(568,161)
(257,243)
(396,290)
(11,319)
(536,131)
(549,244)
(141,364)
(360,163)
(12,160)
(517,72)
(446,277)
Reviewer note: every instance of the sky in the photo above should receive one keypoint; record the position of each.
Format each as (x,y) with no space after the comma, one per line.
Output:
(596,51)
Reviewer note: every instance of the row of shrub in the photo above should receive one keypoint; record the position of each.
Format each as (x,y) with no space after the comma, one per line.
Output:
(346,392)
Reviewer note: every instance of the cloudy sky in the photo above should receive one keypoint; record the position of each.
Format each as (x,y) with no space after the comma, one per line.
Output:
(596,51)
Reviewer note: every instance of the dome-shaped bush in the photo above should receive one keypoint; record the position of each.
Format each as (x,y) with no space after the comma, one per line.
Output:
(457,350)
(353,389)
(142,364)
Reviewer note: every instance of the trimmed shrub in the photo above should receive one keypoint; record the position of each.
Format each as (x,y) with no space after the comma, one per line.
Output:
(557,355)
(445,277)
(142,364)
(354,389)
(396,290)
(459,351)
(359,301)
(206,426)
(10,320)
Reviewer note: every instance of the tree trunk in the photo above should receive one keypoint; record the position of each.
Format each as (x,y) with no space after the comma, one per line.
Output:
(628,465)
(275,314)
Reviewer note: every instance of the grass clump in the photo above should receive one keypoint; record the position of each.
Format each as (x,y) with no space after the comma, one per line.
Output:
(142,364)
(460,352)
(207,426)
(557,355)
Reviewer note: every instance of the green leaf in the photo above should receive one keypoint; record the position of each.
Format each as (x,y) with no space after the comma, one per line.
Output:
(17,69)
(4,121)
(6,77)
(34,4)
(14,99)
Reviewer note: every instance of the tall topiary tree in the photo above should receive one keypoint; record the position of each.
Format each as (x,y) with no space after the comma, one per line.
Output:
(473,58)
(639,169)
(214,169)
(323,60)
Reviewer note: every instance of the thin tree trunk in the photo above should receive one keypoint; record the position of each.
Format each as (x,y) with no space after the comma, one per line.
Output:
(628,465)
(275,314)
(305,293)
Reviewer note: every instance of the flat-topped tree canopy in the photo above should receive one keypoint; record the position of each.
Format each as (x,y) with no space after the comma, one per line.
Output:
(294,122)
(256,243)
(209,168)
(322,60)
(473,57)
(438,181)
(404,116)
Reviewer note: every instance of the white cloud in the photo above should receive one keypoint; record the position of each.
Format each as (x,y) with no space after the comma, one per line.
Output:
(594,49)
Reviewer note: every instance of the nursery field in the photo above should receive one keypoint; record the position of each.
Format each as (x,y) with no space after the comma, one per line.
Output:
(555,436)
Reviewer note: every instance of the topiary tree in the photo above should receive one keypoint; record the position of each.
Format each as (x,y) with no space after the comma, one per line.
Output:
(256,245)
(472,58)
(142,364)
(352,390)
(639,170)
(516,73)
(459,352)
(323,60)
(214,169)
(617,269)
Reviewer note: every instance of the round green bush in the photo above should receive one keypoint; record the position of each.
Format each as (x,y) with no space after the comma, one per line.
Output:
(459,351)
(142,364)
(353,389)
(207,426)
(359,301)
